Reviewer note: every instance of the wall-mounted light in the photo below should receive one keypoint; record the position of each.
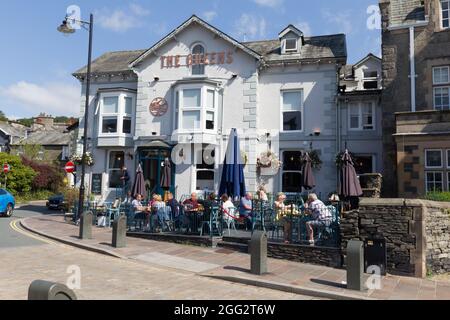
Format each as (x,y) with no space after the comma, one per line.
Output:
(234,76)
(317,132)
(156,79)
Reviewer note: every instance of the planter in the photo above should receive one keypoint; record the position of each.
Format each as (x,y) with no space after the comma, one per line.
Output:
(270,171)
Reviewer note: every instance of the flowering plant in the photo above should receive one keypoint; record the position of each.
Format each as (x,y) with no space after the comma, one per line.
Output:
(78,159)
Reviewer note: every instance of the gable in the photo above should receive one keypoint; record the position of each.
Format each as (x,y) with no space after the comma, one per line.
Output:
(194,20)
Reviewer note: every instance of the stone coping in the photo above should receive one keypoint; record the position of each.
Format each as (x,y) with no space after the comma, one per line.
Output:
(400,202)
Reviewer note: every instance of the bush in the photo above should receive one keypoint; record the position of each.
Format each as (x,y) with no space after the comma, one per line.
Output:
(33,196)
(71,196)
(438,196)
(20,178)
(49,177)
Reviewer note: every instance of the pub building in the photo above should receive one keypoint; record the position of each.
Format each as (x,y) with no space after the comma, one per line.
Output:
(187,92)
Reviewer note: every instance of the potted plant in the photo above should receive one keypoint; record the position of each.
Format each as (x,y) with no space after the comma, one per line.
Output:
(316,162)
(78,159)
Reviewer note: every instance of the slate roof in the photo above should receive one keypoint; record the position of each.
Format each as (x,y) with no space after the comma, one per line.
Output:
(406,11)
(112,62)
(48,138)
(319,47)
(314,48)
(13,130)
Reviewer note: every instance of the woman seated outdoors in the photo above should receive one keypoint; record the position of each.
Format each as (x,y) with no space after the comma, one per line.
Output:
(160,212)
(141,213)
(320,214)
(285,214)
(227,208)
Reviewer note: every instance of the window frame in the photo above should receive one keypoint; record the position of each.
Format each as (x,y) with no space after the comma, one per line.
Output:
(108,169)
(203,108)
(448,75)
(120,115)
(448,158)
(442,13)
(282,171)
(286,50)
(302,110)
(434,181)
(426,159)
(191,50)
(434,98)
(360,106)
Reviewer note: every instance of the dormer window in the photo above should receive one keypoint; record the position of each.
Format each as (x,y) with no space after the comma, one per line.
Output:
(291,45)
(291,40)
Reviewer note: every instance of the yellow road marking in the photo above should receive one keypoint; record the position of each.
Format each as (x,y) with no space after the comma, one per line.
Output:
(13,225)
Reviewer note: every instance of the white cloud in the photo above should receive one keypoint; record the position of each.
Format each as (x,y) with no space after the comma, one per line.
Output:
(210,15)
(51,98)
(342,21)
(249,26)
(120,20)
(269,3)
(304,27)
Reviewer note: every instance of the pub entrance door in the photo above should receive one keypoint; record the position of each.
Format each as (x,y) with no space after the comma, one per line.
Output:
(152,162)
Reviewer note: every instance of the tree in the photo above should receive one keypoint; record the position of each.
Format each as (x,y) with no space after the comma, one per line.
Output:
(20,177)
(3,116)
(49,177)
(26,122)
(32,151)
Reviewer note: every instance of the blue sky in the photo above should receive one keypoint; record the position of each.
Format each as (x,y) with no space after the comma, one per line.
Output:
(37,61)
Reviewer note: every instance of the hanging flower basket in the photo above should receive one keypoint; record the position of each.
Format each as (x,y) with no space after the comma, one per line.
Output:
(316,162)
(339,156)
(78,159)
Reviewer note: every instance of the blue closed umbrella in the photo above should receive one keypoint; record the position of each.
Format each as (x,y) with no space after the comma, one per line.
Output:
(233,180)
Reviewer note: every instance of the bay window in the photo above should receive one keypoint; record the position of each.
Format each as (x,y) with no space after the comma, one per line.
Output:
(361,116)
(116,114)
(196,108)
(292,110)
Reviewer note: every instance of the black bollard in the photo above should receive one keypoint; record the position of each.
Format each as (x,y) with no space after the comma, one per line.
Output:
(355,265)
(119,234)
(45,290)
(258,253)
(86,225)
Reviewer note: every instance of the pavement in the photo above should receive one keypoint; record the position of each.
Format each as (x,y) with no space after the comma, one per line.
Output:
(29,257)
(233,267)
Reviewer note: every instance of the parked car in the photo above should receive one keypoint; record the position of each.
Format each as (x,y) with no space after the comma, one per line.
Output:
(56,202)
(7,203)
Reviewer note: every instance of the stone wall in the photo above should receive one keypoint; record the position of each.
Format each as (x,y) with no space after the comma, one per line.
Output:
(416,233)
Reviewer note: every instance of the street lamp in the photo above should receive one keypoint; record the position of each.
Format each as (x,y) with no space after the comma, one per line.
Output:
(66,28)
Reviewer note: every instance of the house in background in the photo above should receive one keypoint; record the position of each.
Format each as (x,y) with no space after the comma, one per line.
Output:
(11,133)
(360,123)
(415,98)
(55,140)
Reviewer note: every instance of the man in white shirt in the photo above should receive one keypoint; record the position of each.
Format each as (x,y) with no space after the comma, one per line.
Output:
(320,213)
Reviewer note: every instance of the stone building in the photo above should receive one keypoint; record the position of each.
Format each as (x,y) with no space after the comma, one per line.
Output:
(186,93)
(415,98)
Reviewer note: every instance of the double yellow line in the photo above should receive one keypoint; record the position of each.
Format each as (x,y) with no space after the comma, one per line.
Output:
(15,227)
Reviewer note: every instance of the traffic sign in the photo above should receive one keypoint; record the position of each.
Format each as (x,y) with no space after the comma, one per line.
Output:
(6,168)
(70,167)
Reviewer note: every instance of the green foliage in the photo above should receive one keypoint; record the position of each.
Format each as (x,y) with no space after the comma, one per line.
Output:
(71,196)
(438,196)
(3,116)
(31,151)
(33,196)
(26,122)
(20,178)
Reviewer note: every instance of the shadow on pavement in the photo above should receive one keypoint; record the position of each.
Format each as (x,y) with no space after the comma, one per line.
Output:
(329,283)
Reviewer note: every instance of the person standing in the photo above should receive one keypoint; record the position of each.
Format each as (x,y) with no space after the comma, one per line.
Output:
(125,178)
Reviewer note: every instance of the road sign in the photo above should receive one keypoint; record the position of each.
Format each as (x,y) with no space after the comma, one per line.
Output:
(70,167)
(6,168)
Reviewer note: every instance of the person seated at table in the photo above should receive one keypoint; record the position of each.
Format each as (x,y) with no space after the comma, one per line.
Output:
(140,211)
(227,208)
(192,204)
(159,209)
(246,208)
(320,214)
(281,211)
(176,209)
(209,204)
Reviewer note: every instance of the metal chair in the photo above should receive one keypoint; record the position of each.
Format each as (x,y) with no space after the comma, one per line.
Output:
(212,222)
(112,213)
(229,218)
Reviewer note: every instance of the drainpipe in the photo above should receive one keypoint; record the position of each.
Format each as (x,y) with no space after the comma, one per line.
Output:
(412,64)
(412,55)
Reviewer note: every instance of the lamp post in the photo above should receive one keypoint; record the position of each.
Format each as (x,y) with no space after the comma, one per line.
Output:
(66,28)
